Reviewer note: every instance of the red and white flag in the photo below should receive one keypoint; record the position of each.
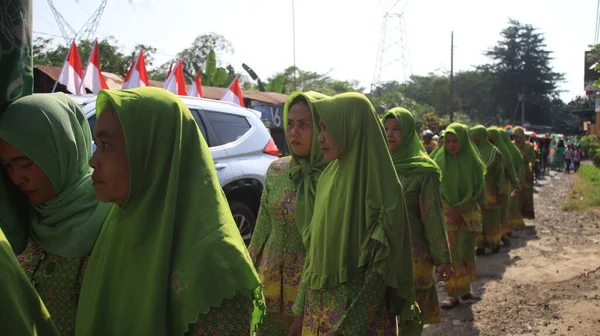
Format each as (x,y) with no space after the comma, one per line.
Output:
(196,88)
(71,74)
(175,81)
(137,76)
(93,78)
(234,93)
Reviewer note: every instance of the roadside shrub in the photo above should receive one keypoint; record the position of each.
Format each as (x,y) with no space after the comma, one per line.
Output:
(589,143)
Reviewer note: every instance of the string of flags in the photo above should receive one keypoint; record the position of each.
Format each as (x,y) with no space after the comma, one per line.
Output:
(76,80)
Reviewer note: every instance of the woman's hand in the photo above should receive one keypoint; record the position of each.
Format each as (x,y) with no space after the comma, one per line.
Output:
(445,272)
(296,329)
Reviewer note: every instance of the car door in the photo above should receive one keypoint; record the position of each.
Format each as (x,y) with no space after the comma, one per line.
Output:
(219,153)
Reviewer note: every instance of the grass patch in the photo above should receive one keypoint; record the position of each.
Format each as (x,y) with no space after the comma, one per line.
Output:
(585,194)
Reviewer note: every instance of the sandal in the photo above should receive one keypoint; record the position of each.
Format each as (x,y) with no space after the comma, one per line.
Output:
(469,297)
(450,302)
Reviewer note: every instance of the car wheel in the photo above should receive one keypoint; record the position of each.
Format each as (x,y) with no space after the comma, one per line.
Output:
(244,219)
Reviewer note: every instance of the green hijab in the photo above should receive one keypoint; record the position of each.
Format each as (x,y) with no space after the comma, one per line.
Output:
(464,172)
(306,171)
(360,218)
(22,312)
(486,149)
(410,157)
(172,250)
(499,143)
(53,132)
(515,153)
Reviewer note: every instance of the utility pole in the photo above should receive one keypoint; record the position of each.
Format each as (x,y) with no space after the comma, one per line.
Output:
(294,42)
(452,77)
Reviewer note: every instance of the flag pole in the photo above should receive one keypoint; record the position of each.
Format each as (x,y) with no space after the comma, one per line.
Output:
(61,68)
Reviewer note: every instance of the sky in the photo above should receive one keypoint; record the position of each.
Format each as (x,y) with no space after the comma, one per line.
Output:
(339,37)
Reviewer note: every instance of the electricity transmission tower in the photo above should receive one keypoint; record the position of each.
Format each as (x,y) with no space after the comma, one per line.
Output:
(393,57)
(86,32)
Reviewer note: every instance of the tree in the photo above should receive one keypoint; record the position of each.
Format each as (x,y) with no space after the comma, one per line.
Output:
(195,56)
(389,95)
(521,63)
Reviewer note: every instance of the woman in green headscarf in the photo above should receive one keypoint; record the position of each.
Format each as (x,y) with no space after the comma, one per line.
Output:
(287,203)
(495,189)
(510,179)
(170,260)
(529,158)
(420,177)
(516,218)
(45,143)
(22,312)
(358,271)
(462,191)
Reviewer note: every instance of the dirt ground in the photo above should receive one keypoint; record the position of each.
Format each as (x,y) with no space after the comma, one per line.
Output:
(547,283)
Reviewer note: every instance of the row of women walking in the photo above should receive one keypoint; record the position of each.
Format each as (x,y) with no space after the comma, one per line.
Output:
(351,183)
(138,239)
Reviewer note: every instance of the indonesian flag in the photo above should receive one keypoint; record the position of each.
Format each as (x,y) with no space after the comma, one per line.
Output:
(196,88)
(93,78)
(71,73)
(137,75)
(175,81)
(234,93)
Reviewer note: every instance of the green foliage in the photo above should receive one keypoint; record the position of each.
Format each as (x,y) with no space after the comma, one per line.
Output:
(389,95)
(431,122)
(589,143)
(585,195)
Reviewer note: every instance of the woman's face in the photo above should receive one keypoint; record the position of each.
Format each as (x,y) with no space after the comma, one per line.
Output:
(25,174)
(476,141)
(393,132)
(452,145)
(300,129)
(328,146)
(111,168)
(492,139)
(518,139)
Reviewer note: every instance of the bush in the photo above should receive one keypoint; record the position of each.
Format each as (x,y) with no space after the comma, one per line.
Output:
(589,143)
(595,156)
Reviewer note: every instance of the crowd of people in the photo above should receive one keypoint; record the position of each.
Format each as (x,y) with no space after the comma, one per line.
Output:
(137,237)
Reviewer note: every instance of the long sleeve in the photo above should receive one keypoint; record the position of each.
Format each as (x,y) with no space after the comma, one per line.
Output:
(262,229)
(432,217)
(371,294)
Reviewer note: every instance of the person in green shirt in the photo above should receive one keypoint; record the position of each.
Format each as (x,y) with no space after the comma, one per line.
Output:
(495,189)
(358,273)
(286,207)
(462,191)
(170,260)
(420,177)
(529,158)
(45,145)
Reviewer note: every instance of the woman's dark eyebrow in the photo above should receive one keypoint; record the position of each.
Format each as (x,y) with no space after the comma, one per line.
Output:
(102,134)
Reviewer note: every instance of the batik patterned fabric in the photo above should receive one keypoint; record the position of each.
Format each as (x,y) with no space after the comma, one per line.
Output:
(357,307)
(276,248)
(231,318)
(429,240)
(461,236)
(58,282)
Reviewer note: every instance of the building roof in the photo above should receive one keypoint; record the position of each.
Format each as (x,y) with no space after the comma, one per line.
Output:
(115,82)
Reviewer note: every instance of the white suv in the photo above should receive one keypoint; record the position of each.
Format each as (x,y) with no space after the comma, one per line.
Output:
(241,147)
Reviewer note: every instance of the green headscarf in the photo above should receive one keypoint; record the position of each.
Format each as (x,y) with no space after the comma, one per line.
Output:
(486,149)
(360,216)
(22,312)
(172,250)
(53,132)
(464,172)
(515,154)
(306,171)
(410,157)
(518,131)
(506,155)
